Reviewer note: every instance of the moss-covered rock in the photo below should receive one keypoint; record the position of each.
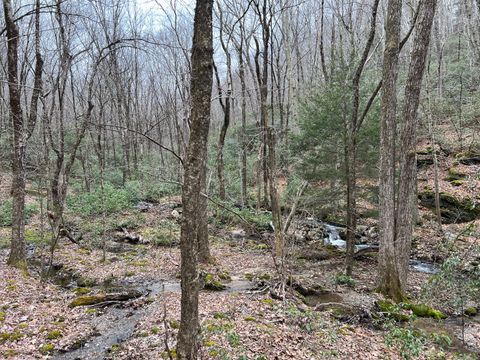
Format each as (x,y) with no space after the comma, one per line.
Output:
(457,182)
(213,282)
(101,298)
(469,158)
(471,311)
(454,174)
(452,209)
(392,310)
(422,310)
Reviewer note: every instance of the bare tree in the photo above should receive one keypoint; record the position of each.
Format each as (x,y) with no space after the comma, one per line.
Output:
(389,281)
(195,169)
(22,128)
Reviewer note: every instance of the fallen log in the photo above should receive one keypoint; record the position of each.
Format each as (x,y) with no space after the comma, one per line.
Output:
(105,298)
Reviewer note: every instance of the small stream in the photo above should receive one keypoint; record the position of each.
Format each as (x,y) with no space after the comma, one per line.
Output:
(334,239)
(117,324)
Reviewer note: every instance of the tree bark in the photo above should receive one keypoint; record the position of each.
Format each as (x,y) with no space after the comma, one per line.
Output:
(389,281)
(195,169)
(407,188)
(17,256)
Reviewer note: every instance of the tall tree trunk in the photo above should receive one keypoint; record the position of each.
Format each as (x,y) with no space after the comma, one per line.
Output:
(389,281)
(243,135)
(351,146)
(17,256)
(407,199)
(195,169)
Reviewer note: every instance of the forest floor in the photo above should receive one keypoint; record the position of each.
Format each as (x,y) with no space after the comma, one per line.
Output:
(243,321)
(129,262)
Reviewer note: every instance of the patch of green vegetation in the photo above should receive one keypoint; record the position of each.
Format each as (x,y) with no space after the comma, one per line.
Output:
(84,282)
(220,316)
(457,182)
(47,349)
(129,273)
(225,276)
(171,354)
(470,311)
(265,277)
(422,310)
(82,291)
(55,334)
(392,310)
(174,324)
(155,330)
(268,301)
(454,174)
(2,316)
(33,236)
(91,311)
(84,301)
(441,339)
(6,212)
(10,353)
(452,208)
(10,336)
(344,279)
(410,343)
(233,339)
(262,247)
(250,318)
(248,276)
(140,263)
(218,328)
(211,282)
(166,234)
(209,343)
(115,348)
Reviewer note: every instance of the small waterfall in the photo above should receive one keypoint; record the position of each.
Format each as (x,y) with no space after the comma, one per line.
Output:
(333,237)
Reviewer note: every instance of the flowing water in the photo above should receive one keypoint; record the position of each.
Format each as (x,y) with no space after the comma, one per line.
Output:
(333,238)
(116,325)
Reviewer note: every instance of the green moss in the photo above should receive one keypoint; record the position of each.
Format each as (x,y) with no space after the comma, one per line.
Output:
(47,349)
(457,182)
(471,311)
(452,209)
(140,263)
(10,336)
(82,291)
(262,247)
(129,273)
(84,301)
(209,343)
(10,353)
(115,348)
(91,311)
(422,310)
(85,282)
(392,310)
(175,324)
(155,330)
(55,334)
(211,283)
(268,301)
(249,318)
(454,174)
(265,277)
(2,316)
(225,276)
(248,276)
(220,315)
